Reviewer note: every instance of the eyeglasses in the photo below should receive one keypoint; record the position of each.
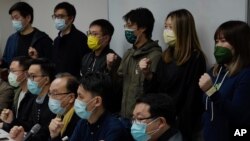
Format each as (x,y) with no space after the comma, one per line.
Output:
(93,33)
(140,120)
(60,16)
(53,95)
(32,77)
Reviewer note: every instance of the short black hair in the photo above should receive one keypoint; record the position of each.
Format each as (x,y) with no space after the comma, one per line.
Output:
(69,8)
(106,27)
(23,61)
(99,84)
(24,8)
(143,17)
(71,84)
(161,105)
(47,67)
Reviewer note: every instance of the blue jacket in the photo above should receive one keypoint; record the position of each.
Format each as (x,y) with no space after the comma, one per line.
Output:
(40,40)
(107,128)
(228,108)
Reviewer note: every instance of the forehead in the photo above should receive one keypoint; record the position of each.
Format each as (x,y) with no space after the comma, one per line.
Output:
(95,28)
(15,64)
(15,14)
(35,69)
(141,110)
(168,21)
(58,84)
(83,91)
(61,11)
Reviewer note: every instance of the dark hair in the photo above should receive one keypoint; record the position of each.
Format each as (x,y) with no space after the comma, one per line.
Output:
(71,84)
(23,61)
(47,67)
(24,8)
(186,37)
(161,105)
(69,8)
(237,33)
(143,18)
(106,27)
(99,84)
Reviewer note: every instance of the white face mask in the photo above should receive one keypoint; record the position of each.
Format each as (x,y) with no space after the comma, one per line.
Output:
(169,37)
(12,78)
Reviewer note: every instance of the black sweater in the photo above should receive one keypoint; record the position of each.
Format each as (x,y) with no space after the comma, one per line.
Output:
(181,83)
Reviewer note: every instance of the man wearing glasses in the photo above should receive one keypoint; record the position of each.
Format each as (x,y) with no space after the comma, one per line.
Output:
(23,100)
(63,92)
(154,119)
(99,36)
(71,44)
(40,75)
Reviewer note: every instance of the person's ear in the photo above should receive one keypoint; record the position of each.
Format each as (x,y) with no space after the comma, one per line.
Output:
(71,98)
(162,122)
(28,18)
(98,101)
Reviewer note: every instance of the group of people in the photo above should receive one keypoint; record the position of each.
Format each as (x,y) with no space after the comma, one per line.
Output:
(77,88)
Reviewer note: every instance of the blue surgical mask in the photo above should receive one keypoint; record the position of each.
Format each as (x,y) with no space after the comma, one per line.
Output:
(55,106)
(60,24)
(81,109)
(17,25)
(139,131)
(33,87)
(130,36)
(12,78)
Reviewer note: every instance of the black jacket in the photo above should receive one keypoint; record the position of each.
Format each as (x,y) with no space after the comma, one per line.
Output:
(68,51)
(92,63)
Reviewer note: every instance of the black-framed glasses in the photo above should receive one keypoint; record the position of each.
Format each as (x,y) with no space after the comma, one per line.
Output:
(50,94)
(32,76)
(93,33)
(59,16)
(140,120)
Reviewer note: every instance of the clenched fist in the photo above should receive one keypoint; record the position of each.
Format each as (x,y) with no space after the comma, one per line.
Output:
(205,82)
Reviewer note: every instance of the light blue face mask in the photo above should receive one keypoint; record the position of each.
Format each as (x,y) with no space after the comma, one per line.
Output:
(17,25)
(33,87)
(55,106)
(139,131)
(60,24)
(81,109)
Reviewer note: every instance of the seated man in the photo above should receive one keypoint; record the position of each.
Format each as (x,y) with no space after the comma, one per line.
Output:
(154,119)
(23,99)
(63,92)
(91,106)
(40,75)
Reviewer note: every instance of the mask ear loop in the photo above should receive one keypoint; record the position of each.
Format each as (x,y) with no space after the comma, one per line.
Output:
(154,131)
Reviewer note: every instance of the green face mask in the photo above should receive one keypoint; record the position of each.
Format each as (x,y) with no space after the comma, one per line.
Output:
(222,55)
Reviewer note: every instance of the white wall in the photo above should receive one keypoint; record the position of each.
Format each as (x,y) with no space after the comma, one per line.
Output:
(208,14)
(5,22)
(86,12)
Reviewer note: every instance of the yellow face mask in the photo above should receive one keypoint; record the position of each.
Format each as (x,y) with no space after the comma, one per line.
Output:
(169,37)
(93,42)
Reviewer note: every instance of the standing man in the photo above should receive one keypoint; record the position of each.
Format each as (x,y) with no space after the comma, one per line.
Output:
(71,44)
(99,37)
(139,25)
(28,40)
